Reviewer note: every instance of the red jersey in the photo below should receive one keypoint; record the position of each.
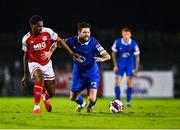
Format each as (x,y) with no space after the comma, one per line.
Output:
(36,45)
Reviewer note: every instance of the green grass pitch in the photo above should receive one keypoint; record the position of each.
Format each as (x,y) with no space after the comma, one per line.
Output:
(144,113)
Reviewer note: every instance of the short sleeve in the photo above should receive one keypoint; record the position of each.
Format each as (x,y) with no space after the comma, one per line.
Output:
(136,50)
(53,34)
(24,44)
(114,47)
(99,48)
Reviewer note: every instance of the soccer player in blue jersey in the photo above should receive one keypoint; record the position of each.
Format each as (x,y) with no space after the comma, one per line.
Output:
(86,73)
(126,59)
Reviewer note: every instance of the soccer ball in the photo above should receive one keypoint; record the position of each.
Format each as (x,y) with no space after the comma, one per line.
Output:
(116,106)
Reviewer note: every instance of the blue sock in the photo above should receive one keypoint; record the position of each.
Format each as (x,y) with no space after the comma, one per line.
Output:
(129,93)
(79,100)
(117,92)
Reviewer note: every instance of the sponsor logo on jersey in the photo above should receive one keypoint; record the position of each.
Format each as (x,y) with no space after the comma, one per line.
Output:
(39,46)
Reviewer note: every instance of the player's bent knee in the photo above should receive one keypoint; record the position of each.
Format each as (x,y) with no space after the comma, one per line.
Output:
(117,82)
(92,99)
(129,83)
(39,79)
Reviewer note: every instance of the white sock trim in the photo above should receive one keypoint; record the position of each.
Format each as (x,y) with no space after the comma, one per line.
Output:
(84,104)
(128,103)
(36,107)
(43,97)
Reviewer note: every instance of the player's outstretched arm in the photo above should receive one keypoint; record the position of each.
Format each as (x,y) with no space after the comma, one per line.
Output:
(25,67)
(104,57)
(114,57)
(62,43)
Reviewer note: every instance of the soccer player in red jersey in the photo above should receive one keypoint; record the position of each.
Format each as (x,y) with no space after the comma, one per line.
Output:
(36,45)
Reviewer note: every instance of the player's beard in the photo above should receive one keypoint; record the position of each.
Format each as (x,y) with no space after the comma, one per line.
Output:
(84,39)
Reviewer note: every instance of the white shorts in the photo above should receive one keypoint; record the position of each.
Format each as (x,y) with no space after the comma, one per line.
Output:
(47,70)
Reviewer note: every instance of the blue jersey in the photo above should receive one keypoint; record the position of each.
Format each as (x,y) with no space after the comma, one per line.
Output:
(125,55)
(88,51)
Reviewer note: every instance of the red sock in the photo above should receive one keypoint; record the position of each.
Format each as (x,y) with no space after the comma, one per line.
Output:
(38,89)
(45,95)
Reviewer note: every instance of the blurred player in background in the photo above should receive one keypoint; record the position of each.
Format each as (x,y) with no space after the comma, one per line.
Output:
(35,45)
(126,59)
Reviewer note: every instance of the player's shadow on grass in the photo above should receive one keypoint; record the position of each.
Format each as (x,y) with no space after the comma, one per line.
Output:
(95,114)
(100,114)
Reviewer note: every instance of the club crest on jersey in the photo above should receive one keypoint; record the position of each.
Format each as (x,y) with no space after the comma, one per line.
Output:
(93,84)
(44,38)
(126,55)
(39,46)
(31,42)
(82,58)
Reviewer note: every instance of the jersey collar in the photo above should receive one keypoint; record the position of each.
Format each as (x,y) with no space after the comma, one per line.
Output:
(86,43)
(123,42)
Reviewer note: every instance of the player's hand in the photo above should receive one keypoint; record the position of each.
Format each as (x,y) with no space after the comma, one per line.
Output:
(46,55)
(24,81)
(99,59)
(115,69)
(77,57)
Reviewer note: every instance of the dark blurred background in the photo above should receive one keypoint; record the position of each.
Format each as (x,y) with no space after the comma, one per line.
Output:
(155,26)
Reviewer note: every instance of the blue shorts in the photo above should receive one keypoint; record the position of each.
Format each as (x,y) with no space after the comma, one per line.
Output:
(126,68)
(81,83)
